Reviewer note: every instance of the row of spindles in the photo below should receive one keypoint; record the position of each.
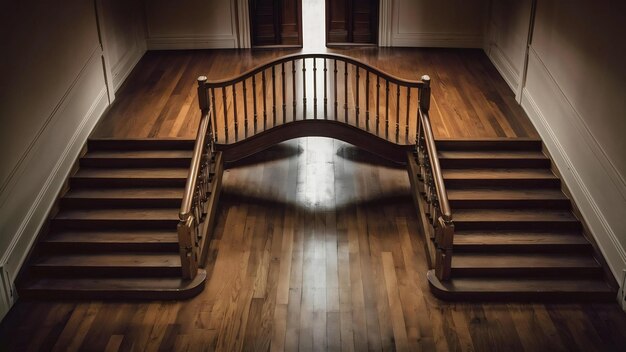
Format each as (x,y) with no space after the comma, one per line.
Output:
(273,89)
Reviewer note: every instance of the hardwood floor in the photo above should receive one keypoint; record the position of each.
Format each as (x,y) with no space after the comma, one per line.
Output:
(317,244)
(469,98)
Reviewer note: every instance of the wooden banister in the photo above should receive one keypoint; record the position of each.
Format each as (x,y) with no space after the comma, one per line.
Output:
(193,206)
(433,187)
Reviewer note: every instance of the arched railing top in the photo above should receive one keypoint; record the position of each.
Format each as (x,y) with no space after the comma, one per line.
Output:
(293,57)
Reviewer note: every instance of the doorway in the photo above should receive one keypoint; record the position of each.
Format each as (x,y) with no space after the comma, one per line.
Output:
(276,23)
(351,22)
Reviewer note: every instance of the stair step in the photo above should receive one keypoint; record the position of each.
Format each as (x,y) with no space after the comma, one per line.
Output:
(526,264)
(124,196)
(507,197)
(108,264)
(512,241)
(130,177)
(113,288)
(490,144)
(515,178)
(121,240)
(136,158)
(515,219)
(522,289)
(140,144)
(493,159)
(110,218)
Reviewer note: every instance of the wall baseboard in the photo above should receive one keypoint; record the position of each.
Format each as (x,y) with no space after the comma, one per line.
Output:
(205,42)
(436,40)
(32,194)
(586,170)
(121,71)
(503,65)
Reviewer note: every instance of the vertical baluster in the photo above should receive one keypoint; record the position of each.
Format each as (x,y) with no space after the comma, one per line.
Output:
(345,90)
(314,88)
(225,115)
(397,112)
(377,104)
(245,110)
(293,83)
(387,108)
(367,100)
(408,109)
(357,95)
(235,117)
(325,90)
(214,114)
(303,88)
(335,83)
(264,101)
(282,76)
(254,90)
(274,94)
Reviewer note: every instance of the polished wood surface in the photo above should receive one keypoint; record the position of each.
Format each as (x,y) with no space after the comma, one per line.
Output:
(317,244)
(317,248)
(470,99)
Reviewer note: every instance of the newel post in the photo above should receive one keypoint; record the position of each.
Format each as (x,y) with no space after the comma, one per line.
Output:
(203,94)
(424,97)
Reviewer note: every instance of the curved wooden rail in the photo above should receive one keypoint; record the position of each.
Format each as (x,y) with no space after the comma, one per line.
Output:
(315,128)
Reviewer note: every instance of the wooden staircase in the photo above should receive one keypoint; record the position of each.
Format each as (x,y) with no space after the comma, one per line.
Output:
(113,234)
(515,237)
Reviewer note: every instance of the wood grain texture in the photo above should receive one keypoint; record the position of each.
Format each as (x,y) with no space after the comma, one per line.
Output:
(316,243)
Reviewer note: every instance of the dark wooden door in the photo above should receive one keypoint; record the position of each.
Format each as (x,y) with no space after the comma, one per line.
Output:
(351,22)
(276,22)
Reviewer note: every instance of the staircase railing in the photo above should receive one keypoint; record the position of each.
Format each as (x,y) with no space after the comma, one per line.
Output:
(433,188)
(193,209)
(311,87)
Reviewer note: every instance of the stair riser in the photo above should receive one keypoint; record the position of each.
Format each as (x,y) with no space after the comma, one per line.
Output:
(102,247)
(494,163)
(509,203)
(120,202)
(556,272)
(459,145)
(515,183)
(127,182)
(139,294)
(517,225)
(121,271)
(523,248)
(134,162)
(130,144)
(79,224)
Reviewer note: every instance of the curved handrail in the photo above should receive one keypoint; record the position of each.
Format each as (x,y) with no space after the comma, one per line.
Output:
(440,187)
(240,77)
(192,177)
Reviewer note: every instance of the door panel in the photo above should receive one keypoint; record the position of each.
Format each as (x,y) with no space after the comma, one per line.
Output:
(276,22)
(351,22)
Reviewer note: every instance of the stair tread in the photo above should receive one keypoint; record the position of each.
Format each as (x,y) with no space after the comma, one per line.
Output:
(110,260)
(526,260)
(72,236)
(490,154)
(111,284)
(119,214)
(126,193)
(504,193)
(138,154)
(503,173)
(139,173)
(468,215)
(517,238)
(520,285)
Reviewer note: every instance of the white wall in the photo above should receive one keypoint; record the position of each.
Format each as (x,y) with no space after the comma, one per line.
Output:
(192,24)
(508,26)
(575,95)
(54,91)
(427,23)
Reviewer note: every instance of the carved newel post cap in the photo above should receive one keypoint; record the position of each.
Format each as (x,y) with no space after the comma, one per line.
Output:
(426,78)
(202,79)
